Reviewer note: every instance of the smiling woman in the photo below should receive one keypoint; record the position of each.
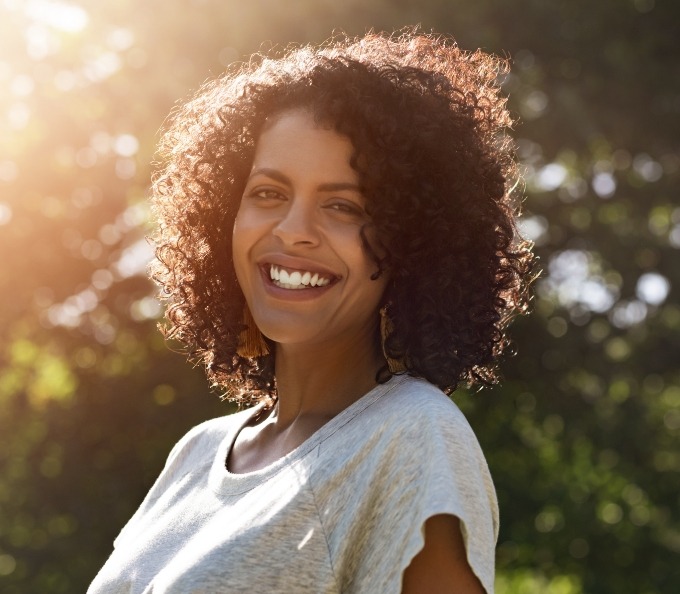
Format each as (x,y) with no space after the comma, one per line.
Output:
(300,218)
(337,244)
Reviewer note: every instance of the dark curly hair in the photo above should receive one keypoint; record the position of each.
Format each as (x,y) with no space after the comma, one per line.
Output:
(428,125)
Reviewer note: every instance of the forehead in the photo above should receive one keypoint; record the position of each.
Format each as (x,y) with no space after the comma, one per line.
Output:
(294,140)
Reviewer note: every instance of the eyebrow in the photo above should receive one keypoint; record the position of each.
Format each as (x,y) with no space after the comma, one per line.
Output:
(284,179)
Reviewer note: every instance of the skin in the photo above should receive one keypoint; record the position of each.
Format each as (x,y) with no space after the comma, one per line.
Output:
(302,210)
(441,567)
(302,207)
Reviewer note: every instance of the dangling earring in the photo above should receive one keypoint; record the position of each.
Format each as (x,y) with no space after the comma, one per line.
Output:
(386,328)
(251,343)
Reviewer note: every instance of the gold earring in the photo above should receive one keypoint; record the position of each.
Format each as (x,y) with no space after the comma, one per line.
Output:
(251,343)
(386,328)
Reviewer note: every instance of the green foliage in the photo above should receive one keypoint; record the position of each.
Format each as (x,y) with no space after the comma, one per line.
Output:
(581,438)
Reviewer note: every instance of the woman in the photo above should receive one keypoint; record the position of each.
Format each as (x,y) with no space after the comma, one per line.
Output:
(337,243)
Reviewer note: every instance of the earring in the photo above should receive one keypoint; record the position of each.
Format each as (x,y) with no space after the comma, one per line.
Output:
(251,343)
(386,328)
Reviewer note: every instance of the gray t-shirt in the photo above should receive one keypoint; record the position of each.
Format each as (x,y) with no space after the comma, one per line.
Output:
(344,512)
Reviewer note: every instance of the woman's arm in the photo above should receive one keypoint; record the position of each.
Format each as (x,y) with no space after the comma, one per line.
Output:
(441,567)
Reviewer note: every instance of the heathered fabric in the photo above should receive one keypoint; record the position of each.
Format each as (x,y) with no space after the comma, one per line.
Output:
(344,512)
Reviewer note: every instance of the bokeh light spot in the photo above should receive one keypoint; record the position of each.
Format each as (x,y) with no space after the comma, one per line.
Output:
(102,279)
(653,288)
(164,394)
(126,145)
(534,228)
(629,313)
(134,259)
(147,308)
(617,349)
(7,564)
(120,39)
(125,168)
(611,513)
(109,234)
(647,168)
(604,184)
(534,104)
(557,327)
(40,41)
(85,358)
(550,177)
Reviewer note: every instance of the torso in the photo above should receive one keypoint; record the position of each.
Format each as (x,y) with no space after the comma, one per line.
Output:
(343,512)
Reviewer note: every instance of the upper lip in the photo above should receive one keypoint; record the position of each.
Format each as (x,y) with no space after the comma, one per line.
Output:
(296,263)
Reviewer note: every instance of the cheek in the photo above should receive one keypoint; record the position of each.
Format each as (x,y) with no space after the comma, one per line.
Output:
(245,227)
(365,261)
(364,266)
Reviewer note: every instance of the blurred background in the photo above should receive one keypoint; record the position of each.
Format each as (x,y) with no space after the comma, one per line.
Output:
(582,435)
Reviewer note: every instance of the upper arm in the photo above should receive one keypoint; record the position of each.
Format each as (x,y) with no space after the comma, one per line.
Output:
(441,567)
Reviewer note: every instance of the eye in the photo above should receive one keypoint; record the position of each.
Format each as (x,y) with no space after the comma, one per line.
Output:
(346,207)
(266,195)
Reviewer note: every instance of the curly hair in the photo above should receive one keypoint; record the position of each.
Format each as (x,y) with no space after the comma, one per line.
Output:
(429,129)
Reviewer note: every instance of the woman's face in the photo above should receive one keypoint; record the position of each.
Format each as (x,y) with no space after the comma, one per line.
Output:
(298,254)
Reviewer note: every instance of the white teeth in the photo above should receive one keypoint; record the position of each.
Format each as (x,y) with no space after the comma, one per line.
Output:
(296,279)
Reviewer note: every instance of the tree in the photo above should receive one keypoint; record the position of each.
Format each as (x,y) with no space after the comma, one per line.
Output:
(581,435)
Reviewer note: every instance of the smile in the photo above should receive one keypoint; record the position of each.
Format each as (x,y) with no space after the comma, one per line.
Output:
(297,279)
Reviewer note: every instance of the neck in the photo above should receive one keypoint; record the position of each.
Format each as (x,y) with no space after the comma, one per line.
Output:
(323,380)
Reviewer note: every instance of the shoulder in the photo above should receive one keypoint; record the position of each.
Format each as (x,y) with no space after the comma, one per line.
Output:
(411,430)
(418,411)
(205,437)
(195,452)
(408,455)
(418,394)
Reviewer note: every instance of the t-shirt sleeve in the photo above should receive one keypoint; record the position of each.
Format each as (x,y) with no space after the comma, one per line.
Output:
(452,477)
(424,463)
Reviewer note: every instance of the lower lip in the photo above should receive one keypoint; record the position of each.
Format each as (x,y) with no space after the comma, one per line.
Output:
(293,294)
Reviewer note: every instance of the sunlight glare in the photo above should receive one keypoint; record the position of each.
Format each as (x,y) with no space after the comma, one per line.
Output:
(134,260)
(58,15)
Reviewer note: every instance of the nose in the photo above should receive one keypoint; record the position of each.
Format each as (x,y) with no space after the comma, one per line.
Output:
(297,225)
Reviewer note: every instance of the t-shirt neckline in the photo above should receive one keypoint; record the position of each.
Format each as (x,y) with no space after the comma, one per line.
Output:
(223,482)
